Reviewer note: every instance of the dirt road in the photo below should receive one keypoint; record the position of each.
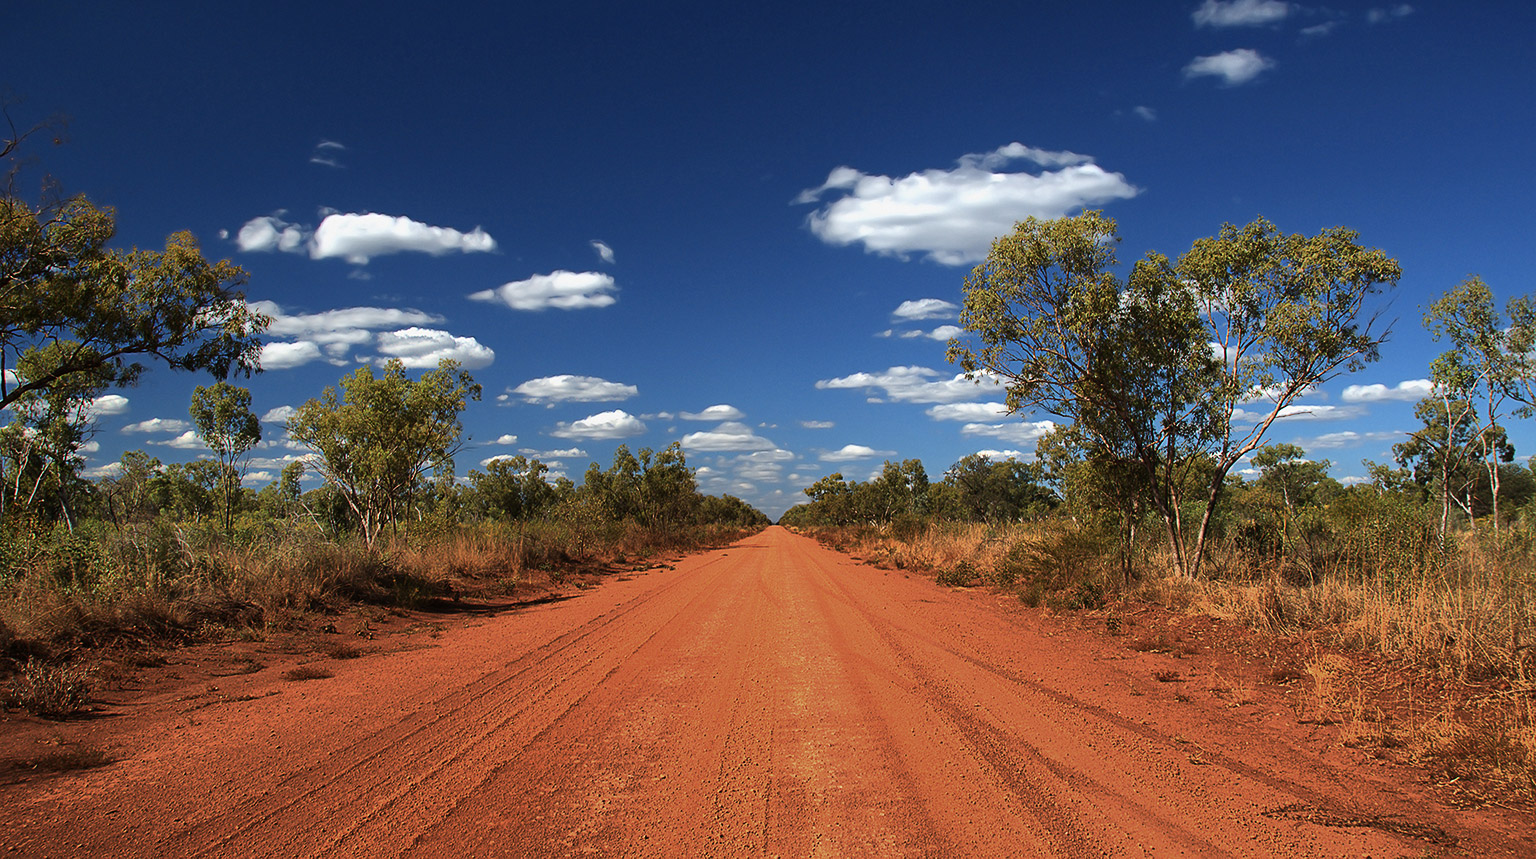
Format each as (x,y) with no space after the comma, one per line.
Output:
(770,699)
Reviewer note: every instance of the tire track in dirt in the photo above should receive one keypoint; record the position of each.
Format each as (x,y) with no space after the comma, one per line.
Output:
(1074,771)
(772,699)
(356,774)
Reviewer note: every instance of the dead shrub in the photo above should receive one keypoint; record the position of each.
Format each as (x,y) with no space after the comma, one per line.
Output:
(307,672)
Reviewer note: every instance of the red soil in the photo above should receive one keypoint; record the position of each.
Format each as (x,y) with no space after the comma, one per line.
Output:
(771,699)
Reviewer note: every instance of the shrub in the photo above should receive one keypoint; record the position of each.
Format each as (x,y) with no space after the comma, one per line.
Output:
(49,690)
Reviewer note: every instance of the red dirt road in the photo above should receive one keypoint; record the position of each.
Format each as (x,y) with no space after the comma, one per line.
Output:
(771,699)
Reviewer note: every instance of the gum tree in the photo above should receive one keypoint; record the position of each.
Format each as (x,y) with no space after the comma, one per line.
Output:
(381,433)
(1180,368)
(103,310)
(221,412)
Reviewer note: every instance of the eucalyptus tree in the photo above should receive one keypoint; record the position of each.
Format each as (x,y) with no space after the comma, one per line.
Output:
(1491,361)
(103,309)
(222,415)
(50,428)
(1181,368)
(382,433)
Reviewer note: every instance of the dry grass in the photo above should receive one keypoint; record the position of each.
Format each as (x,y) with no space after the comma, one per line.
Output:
(49,690)
(307,672)
(1464,615)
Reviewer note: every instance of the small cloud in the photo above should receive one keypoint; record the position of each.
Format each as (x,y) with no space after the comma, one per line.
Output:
(278,415)
(1240,13)
(1017,432)
(924,309)
(505,439)
(720,412)
(952,216)
(915,385)
(604,252)
(728,436)
(1144,112)
(604,425)
(569,452)
(1347,438)
(1410,391)
(111,469)
(1234,68)
(945,333)
(1319,30)
(186,441)
(567,388)
(1001,455)
(284,356)
(108,404)
(563,290)
(359,237)
(154,425)
(419,348)
(818,424)
(1391,13)
(974,412)
(1301,412)
(326,153)
(853,452)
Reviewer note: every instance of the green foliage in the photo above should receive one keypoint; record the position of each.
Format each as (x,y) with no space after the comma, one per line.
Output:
(222,416)
(1129,364)
(382,433)
(61,286)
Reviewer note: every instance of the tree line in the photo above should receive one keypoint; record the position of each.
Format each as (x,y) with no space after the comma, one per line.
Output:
(1166,382)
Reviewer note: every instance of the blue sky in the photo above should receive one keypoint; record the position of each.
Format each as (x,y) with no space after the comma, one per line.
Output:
(737,225)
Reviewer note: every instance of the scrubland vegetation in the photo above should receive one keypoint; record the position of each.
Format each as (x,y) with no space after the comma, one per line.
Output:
(1157,485)
(162,552)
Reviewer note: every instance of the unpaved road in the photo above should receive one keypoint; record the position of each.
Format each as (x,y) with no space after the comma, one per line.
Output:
(771,699)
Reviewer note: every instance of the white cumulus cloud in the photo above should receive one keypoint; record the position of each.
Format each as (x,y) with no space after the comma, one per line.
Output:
(107,404)
(425,347)
(604,252)
(186,441)
(1017,432)
(566,388)
(1240,13)
(563,290)
(603,425)
(1410,391)
(278,414)
(853,452)
(721,412)
(332,335)
(158,425)
(952,216)
(282,356)
(968,411)
(915,385)
(926,308)
(1234,68)
(730,435)
(358,237)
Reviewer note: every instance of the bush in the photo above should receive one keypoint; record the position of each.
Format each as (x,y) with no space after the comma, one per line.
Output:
(51,691)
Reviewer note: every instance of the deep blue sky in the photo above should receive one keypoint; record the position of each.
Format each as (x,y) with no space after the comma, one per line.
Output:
(681,136)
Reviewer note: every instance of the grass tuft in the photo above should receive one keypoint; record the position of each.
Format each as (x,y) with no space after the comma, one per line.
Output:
(49,690)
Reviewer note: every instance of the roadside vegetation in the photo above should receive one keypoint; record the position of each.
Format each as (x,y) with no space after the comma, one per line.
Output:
(159,552)
(1159,484)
